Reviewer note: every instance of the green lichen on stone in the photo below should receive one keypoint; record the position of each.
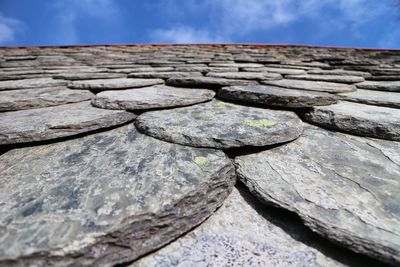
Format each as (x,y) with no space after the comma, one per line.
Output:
(201,161)
(222,104)
(200,116)
(260,123)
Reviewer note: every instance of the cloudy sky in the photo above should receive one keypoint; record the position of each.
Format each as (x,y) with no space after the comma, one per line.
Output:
(359,23)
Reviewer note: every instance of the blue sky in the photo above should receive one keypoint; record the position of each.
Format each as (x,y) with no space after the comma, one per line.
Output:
(359,23)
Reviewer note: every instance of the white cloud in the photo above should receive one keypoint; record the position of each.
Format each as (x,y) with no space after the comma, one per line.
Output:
(229,18)
(183,34)
(8,29)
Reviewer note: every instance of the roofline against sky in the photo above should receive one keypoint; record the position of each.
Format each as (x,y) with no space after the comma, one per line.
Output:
(207,44)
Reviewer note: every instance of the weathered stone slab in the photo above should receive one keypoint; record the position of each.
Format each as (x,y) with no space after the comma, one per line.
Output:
(340,72)
(379,78)
(152,69)
(391,86)
(163,75)
(246,75)
(379,98)
(30,83)
(55,122)
(282,71)
(312,86)
(191,68)
(221,125)
(40,98)
(344,187)
(358,119)
(104,199)
(110,84)
(206,82)
(88,76)
(6,77)
(327,78)
(386,71)
(290,66)
(236,65)
(158,96)
(277,96)
(21,74)
(253,240)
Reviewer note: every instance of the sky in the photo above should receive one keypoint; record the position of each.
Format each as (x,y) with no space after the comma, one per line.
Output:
(355,23)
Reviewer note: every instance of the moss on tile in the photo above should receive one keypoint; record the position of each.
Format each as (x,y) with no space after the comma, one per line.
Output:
(260,123)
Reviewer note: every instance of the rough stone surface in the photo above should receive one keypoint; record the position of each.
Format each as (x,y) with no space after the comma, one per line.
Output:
(236,65)
(40,97)
(312,86)
(151,97)
(153,69)
(379,98)
(344,187)
(109,84)
(327,78)
(391,86)
(88,76)
(225,240)
(59,121)
(164,75)
(259,76)
(235,128)
(191,68)
(282,71)
(30,83)
(359,119)
(276,96)
(207,82)
(221,125)
(104,199)
(379,78)
(340,72)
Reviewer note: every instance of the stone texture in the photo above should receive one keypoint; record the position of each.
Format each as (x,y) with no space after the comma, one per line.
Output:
(344,187)
(110,84)
(55,122)
(282,71)
(312,86)
(221,125)
(206,82)
(259,76)
(30,83)
(88,76)
(191,68)
(223,240)
(104,199)
(236,65)
(40,97)
(379,98)
(391,86)
(163,75)
(151,97)
(340,72)
(276,96)
(379,78)
(153,69)
(358,119)
(327,78)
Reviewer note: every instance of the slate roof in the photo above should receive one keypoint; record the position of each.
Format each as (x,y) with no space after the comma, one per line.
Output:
(199,155)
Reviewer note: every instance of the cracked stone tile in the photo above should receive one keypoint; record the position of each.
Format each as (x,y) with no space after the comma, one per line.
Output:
(344,187)
(97,201)
(221,125)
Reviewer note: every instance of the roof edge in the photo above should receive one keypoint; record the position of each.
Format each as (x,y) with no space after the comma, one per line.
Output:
(207,44)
